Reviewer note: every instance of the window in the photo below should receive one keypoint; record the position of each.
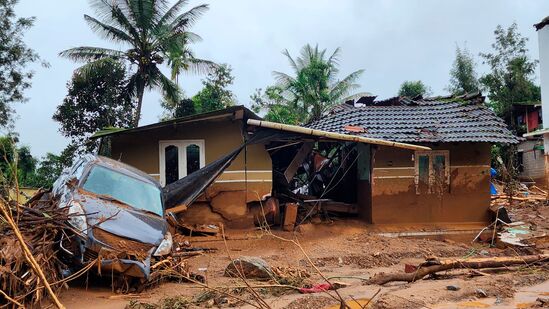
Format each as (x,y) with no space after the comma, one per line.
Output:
(193,158)
(128,190)
(171,163)
(432,172)
(180,158)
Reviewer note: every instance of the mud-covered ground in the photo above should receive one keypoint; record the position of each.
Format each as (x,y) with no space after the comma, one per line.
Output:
(347,251)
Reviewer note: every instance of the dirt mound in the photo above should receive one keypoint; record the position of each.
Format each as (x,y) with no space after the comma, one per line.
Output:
(310,302)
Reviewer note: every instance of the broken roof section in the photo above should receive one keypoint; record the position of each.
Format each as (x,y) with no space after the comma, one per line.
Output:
(542,23)
(421,120)
(331,135)
(237,112)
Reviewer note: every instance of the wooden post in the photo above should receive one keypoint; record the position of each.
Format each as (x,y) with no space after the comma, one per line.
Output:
(290,216)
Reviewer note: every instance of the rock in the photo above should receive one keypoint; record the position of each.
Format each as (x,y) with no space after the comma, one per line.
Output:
(543,302)
(250,267)
(481,293)
(453,288)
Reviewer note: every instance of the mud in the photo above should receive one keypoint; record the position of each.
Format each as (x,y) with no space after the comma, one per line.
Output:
(346,251)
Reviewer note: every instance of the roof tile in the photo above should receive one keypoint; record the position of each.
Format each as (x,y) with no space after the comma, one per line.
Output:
(457,119)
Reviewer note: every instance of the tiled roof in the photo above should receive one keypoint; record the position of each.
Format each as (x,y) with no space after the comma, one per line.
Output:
(441,119)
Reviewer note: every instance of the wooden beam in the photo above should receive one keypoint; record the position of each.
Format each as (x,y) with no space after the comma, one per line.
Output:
(301,155)
(332,135)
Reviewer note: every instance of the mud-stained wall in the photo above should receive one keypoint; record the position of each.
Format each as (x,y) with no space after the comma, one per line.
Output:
(533,162)
(466,200)
(221,136)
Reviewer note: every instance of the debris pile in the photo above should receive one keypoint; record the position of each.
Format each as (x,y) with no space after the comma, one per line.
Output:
(524,196)
(42,225)
(520,219)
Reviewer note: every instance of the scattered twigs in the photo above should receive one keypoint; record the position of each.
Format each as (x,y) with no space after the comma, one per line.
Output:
(262,303)
(297,244)
(371,298)
(267,231)
(27,253)
(11,299)
(434,266)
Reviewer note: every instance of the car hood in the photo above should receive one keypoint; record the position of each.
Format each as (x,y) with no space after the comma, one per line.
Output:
(122,220)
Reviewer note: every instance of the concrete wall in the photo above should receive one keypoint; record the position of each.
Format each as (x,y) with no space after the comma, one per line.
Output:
(533,161)
(466,200)
(230,192)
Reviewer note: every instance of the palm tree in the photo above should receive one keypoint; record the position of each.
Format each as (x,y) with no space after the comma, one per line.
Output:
(153,32)
(315,87)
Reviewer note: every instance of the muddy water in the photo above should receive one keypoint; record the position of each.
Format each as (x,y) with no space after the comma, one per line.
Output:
(524,298)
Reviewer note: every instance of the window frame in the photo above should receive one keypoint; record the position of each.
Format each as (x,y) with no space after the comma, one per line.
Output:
(182,155)
(431,154)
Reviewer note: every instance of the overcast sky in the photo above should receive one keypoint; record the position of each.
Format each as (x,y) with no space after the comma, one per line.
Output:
(392,41)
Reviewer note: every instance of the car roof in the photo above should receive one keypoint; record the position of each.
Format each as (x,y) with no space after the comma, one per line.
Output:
(123,168)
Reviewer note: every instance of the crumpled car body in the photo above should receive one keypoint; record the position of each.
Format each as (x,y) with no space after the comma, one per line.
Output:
(117,214)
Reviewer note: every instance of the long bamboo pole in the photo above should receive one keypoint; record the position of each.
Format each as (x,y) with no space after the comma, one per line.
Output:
(332,135)
(28,254)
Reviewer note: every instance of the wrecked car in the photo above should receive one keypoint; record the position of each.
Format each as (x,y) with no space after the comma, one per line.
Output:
(117,213)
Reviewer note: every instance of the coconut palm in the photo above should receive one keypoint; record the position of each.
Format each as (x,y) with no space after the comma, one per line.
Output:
(315,87)
(152,32)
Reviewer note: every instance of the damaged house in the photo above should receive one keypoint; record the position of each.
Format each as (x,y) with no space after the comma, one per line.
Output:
(173,149)
(447,184)
(396,161)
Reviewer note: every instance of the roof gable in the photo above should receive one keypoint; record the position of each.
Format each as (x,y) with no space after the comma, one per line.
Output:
(237,111)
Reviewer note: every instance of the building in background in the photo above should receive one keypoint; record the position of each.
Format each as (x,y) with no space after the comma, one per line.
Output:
(533,153)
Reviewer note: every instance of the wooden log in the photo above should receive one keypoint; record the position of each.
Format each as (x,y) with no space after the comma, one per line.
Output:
(431,267)
(539,189)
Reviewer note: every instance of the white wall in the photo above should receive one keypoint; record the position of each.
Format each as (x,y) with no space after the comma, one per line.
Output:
(543,36)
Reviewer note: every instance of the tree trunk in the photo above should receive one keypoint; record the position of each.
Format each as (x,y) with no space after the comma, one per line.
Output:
(428,267)
(137,116)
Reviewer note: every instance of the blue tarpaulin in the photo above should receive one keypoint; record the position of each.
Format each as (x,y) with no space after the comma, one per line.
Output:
(493,173)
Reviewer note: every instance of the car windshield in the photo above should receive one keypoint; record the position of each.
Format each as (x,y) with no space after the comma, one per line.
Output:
(126,189)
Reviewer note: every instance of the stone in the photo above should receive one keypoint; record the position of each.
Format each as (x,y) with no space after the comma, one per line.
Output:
(481,293)
(250,267)
(453,288)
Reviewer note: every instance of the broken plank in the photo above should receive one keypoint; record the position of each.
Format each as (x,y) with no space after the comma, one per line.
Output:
(298,160)
(290,216)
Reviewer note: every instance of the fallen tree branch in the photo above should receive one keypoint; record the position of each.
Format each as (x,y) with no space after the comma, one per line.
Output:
(27,253)
(434,266)
(11,299)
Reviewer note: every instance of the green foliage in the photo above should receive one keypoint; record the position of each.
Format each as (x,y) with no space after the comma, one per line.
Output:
(96,99)
(215,95)
(154,33)
(463,78)
(412,89)
(311,91)
(14,57)
(51,166)
(278,110)
(511,77)
(182,108)
(17,163)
